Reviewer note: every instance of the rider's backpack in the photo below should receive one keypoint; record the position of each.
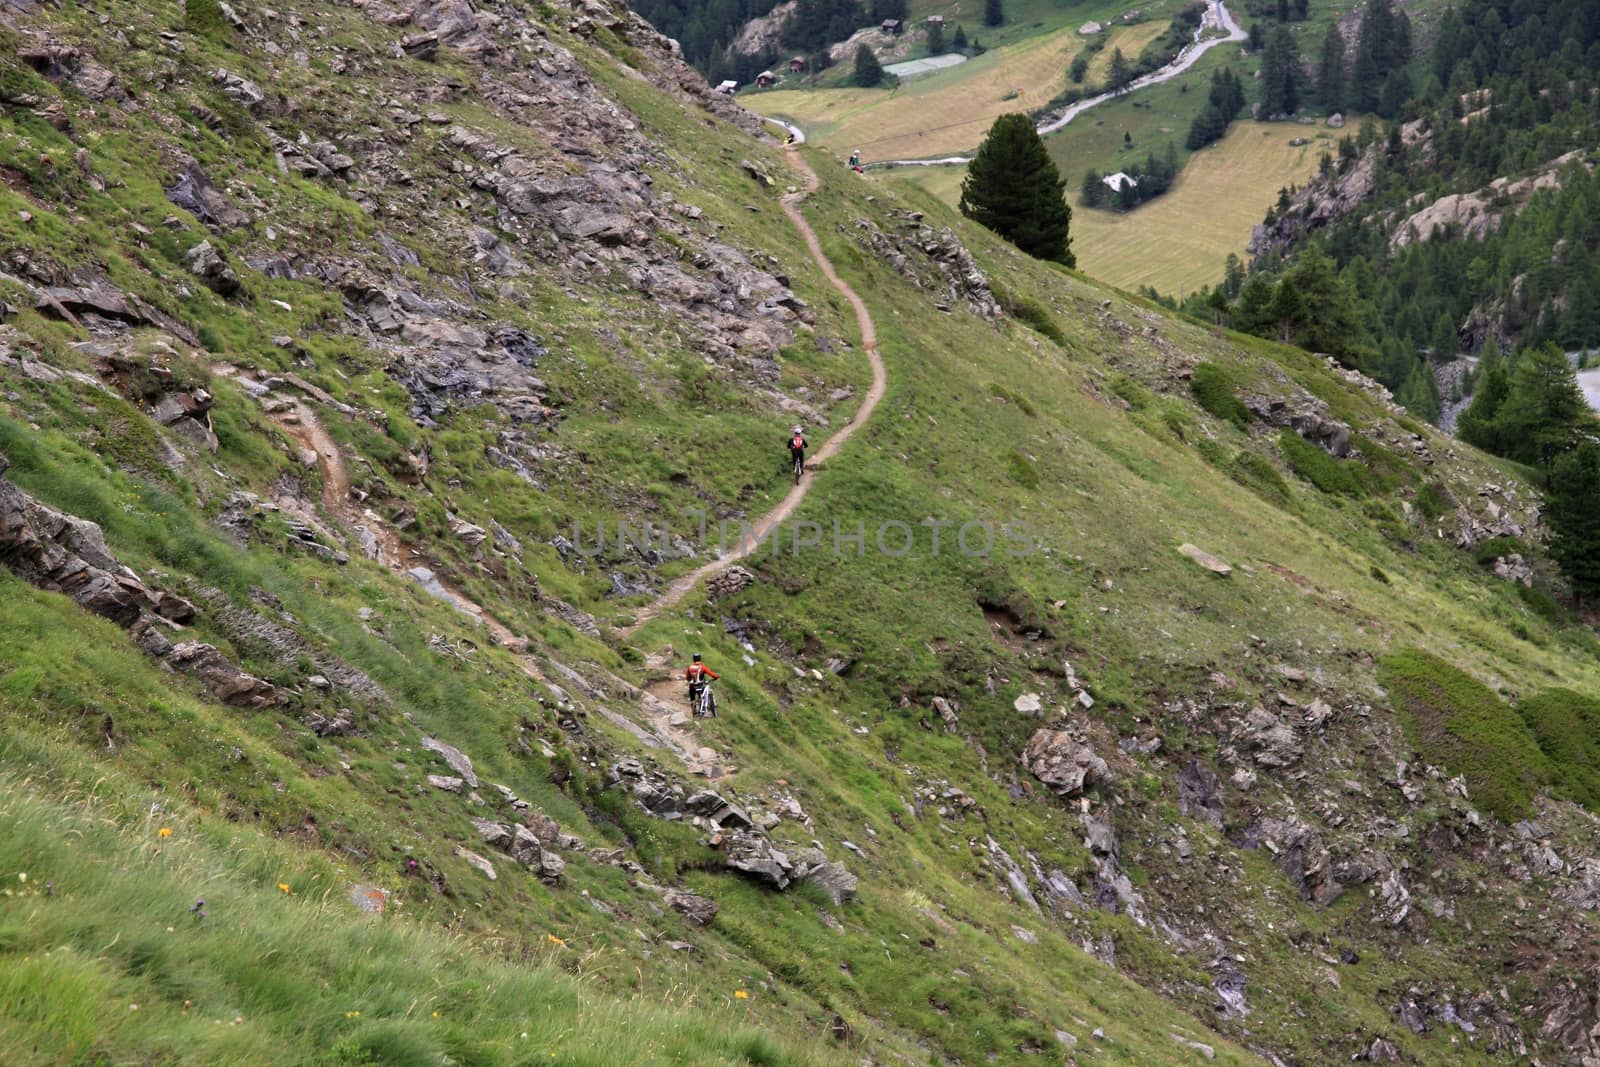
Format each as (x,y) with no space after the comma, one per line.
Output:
(797,443)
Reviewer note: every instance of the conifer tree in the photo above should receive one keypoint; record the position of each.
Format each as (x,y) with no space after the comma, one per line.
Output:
(1013,188)
(1280,74)
(1543,409)
(994,12)
(1121,73)
(868,71)
(959,41)
(1330,72)
(1572,513)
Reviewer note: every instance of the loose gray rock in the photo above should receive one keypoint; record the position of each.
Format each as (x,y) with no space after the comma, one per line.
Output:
(1064,763)
(454,757)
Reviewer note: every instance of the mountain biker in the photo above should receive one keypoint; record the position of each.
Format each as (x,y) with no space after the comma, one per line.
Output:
(697,674)
(855,161)
(797,447)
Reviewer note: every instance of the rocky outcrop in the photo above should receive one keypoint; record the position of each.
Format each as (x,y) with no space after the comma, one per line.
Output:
(1306,416)
(755,856)
(1200,793)
(934,260)
(69,64)
(1301,853)
(226,681)
(1477,214)
(1271,742)
(1064,762)
(523,845)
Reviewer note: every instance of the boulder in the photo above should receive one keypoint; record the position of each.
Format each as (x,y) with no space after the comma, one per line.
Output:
(835,880)
(754,855)
(241,90)
(205,263)
(193,191)
(1205,559)
(495,835)
(713,808)
(1063,762)
(222,678)
(477,861)
(454,757)
(692,906)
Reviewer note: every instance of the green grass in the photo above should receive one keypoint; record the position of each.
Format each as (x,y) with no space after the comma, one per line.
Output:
(1214,390)
(1070,419)
(105,955)
(1567,727)
(1458,723)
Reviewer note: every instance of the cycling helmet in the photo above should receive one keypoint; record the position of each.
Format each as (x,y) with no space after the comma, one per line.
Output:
(697,657)
(798,429)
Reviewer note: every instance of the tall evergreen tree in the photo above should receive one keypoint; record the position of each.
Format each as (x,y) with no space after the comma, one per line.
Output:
(994,12)
(1572,512)
(868,71)
(959,41)
(1480,423)
(1121,72)
(1094,189)
(1013,188)
(1544,408)
(935,38)
(1330,72)
(1280,74)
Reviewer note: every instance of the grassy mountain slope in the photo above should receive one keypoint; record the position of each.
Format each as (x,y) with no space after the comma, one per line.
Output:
(1161,917)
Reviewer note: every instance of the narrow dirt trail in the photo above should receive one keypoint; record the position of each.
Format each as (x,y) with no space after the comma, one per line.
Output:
(681,586)
(661,721)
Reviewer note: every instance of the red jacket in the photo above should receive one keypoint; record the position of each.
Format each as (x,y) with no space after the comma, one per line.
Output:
(697,672)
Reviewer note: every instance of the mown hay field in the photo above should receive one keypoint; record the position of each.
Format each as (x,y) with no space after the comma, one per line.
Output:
(950,111)
(1178,242)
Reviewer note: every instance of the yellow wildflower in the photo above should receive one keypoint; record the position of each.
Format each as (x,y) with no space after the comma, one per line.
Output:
(284,886)
(165,831)
(739,994)
(554,940)
(352,1015)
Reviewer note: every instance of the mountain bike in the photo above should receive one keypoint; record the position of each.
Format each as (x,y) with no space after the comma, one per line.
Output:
(704,703)
(799,466)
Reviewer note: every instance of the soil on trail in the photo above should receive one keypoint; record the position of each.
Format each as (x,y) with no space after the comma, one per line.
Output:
(681,587)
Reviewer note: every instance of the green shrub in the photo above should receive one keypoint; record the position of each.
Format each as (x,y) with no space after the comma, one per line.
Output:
(1319,468)
(1543,604)
(1377,573)
(1022,403)
(1021,468)
(1453,720)
(1212,452)
(1213,390)
(1435,501)
(1034,315)
(1496,547)
(204,17)
(1260,477)
(1567,728)
(1136,396)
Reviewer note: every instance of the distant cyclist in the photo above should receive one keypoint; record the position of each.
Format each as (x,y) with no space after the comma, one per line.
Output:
(797,451)
(698,675)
